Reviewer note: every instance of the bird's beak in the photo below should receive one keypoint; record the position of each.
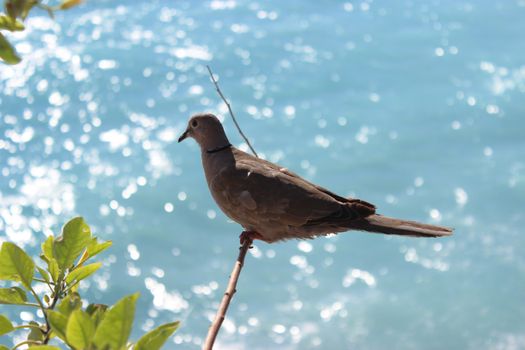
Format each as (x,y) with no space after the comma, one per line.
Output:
(184,135)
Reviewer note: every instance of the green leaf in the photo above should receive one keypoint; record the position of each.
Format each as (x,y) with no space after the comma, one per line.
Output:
(13,295)
(97,312)
(114,329)
(95,247)
(47,247)
(67,4)
(75,237)
(54,270)
(80,273)
(3,347)
(35,334)
(44,347)
(44,274)
(15,264)
(10,24)
(5,325)
(69,304)
(58,323)
(154,339)
(80,329)
(7,52)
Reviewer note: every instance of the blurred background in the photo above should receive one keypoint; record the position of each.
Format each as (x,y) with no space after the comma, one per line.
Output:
(416,106)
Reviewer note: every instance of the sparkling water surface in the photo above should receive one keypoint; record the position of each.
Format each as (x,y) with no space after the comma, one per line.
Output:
(416,106)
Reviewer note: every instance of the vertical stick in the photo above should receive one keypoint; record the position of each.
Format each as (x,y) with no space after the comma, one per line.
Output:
(228,295)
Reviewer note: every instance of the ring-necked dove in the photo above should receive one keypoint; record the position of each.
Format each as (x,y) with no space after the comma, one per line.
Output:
(273,204)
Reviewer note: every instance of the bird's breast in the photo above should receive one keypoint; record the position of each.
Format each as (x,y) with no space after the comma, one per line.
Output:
(228,188)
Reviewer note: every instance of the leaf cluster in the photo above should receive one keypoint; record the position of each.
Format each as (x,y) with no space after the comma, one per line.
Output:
(15,13)
(66,262)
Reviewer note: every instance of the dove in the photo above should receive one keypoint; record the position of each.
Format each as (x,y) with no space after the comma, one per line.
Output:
(274,204)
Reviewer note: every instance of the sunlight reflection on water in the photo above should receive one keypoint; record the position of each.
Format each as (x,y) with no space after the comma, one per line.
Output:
(396,103)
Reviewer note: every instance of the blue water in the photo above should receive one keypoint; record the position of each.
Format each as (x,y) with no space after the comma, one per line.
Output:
(416,106)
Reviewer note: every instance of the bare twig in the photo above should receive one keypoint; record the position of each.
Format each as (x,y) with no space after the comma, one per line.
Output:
(42,307)
(230,110)
(51,307)
(228,295)
(30,326)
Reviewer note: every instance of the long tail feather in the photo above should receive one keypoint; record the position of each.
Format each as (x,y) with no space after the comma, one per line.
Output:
(391,226)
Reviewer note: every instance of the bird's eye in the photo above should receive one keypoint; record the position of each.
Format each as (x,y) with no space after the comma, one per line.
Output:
(194,124)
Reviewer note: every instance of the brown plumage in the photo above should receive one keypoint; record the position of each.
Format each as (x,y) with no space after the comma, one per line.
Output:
(275,204)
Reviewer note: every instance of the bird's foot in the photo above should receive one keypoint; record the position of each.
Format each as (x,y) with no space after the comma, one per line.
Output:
(250,236)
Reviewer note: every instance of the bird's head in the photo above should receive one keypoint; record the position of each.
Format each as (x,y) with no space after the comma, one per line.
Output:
(207,130)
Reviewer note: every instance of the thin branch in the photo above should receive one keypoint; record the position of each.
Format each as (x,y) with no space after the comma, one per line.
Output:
(70,287)
(49,9)
(40,304)
(43,280)
(228,295)
(26,303)
(32,326)
(230,110)
(48,283)
(43,308)
(51,307)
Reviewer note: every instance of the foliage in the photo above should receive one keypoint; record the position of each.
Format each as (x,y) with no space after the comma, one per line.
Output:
(67,261)
(15,13)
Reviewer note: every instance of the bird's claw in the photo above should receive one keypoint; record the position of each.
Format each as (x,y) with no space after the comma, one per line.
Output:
(249,236)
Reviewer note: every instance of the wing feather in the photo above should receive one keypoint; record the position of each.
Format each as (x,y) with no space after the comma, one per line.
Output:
(305,202)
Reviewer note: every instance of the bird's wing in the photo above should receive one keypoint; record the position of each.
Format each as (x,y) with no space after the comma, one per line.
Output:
(363,207)
(270,193)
